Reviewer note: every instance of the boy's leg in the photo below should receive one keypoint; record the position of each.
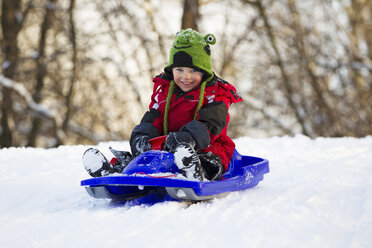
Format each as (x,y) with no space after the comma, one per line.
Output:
(97,165)
(123,159)
(182,146)
(212,165)
(188,162)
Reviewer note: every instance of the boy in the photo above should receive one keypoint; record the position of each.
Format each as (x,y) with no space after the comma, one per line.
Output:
(189,104)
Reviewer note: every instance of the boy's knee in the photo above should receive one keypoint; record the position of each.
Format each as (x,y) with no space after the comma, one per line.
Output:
(198,132)
(176,138)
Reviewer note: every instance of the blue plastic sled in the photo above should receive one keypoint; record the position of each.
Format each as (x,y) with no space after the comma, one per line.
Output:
(137,182)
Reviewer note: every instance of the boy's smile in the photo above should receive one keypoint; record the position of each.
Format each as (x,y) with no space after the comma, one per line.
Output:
(187,78)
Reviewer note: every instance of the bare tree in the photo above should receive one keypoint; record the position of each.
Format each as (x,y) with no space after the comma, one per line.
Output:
(307,68)
(92,73)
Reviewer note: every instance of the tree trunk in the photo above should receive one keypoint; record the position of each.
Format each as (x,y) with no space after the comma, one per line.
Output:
(41,69)
(190,15)
(10,23)
(74,64)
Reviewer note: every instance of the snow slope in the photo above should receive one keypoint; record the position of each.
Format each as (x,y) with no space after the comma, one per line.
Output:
(318,194)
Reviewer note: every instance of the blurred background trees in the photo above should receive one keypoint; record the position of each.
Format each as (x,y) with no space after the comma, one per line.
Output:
(78,72)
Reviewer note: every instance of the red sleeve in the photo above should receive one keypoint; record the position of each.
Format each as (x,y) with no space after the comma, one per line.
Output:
(227,94)
(158,83)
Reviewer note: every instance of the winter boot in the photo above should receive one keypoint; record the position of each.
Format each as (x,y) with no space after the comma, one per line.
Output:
(123,159)
(96,163)
(212,165)
(188,162)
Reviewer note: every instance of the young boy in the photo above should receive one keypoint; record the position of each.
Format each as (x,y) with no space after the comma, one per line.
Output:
(189,104)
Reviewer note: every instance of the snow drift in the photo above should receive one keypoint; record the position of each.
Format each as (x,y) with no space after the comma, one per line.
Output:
(317,194)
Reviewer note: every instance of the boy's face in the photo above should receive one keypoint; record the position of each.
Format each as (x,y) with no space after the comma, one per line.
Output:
(186,78)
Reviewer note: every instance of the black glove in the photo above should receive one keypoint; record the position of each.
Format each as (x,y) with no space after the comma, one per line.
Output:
(139,145)
(139,139)
(176,138)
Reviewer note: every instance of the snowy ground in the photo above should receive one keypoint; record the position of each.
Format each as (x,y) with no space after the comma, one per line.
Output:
(318,194)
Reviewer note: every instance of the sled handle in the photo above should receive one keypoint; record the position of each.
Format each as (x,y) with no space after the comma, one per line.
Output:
(157,143)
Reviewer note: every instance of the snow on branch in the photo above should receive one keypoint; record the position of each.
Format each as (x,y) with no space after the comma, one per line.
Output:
(22,91)
(251,104)
(77,129)
(43,111)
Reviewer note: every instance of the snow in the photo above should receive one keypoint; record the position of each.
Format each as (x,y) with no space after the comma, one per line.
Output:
(6,64)
(317,194)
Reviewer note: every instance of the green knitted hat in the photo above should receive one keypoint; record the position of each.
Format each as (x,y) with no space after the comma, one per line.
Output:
(191,49)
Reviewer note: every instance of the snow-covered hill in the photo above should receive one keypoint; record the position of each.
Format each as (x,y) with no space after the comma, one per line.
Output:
(318,194)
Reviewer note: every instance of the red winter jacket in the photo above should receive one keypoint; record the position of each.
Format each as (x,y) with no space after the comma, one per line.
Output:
(218,97)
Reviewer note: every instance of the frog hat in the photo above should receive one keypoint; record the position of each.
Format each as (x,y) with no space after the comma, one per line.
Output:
(190,49)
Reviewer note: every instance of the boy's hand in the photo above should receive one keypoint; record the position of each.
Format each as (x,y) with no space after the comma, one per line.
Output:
(140,145)
(139,139)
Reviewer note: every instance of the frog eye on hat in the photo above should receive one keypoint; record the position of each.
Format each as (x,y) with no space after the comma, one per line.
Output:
(210,39)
